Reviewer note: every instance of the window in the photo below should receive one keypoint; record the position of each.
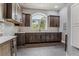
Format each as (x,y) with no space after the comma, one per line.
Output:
(39,21)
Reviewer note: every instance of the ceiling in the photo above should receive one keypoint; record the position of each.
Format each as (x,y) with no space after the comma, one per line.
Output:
(43,6)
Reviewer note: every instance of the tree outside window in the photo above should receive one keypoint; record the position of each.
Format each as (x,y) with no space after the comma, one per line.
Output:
(39,22)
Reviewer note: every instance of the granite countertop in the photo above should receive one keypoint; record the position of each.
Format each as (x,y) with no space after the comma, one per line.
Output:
(4,39)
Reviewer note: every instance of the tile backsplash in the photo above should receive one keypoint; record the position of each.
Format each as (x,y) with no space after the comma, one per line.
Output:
(29,29)
(1,29)
(8,29)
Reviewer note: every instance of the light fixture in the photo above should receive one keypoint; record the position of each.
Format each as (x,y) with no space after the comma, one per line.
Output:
(55,6)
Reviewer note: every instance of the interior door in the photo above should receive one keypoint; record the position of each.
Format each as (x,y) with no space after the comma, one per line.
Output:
(75,25)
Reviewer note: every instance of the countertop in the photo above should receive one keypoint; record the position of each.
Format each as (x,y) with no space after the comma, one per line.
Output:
(4,39)
(38,32)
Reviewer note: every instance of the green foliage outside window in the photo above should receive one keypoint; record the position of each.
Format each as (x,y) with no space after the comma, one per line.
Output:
(39,24)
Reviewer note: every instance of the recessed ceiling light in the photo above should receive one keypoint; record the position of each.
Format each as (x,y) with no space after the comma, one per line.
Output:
(55,6)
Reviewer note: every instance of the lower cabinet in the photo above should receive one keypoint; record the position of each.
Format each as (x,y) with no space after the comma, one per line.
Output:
(5,49)
(26,38)
(43,37)
(20,39)
(8,48)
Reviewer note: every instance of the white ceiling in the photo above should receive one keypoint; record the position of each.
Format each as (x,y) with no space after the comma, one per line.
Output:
(43,6)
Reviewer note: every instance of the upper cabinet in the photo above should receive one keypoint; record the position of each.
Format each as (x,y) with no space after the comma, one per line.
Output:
(54,21)
(12,12)
(26,20)
(18,13)
(9,11)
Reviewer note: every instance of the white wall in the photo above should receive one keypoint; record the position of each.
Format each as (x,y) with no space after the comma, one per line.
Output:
(32,11)
(9,29)
(63,22)
(1,11)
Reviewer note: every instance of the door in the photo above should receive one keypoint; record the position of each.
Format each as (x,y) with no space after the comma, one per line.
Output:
(75,25)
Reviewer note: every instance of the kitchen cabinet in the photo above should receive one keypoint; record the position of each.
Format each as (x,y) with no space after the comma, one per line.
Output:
(20,39)
(26,38)
(54,21)
(12,13)
(18,13)
(26,20)
(9,11)
(8,46)
(43,37)
(5,49)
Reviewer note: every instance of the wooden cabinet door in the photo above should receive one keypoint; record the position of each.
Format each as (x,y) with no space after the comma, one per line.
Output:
(20,39)
(27,20)
(51,21)
(47,37)
(54,21)
(9,11)
(34,38)
(38,37)
(43,39)
(27,37)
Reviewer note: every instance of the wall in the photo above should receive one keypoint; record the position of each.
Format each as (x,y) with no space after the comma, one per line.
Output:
(8,29)
(63,22)
(32,11)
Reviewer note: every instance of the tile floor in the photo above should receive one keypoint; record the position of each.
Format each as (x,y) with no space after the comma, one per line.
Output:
(42,49)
